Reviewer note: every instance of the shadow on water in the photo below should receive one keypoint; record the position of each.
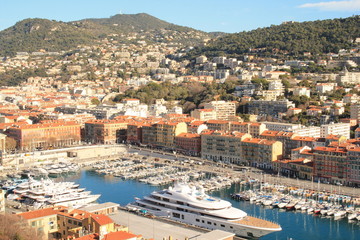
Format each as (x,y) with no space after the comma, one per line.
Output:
(295,225)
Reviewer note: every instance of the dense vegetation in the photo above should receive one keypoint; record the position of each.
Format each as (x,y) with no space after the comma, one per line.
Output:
(34,34)
(291,39)
(190,95)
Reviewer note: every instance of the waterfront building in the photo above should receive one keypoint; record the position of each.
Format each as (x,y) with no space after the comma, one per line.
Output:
(134,133)
(222,146)
(330,164)
(260,152)
(204,114)
(188,143)
(45,135)
(197,127)
(354,165)
(301,168)
(106,131)
(224,110)
(300,141)
(302,152)
(281,136)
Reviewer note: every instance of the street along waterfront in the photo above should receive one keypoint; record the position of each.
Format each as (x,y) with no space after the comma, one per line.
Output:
(295,225)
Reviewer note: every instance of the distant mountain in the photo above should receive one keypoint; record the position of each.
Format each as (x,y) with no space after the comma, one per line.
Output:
(35,34)
(136,23)
(292,39)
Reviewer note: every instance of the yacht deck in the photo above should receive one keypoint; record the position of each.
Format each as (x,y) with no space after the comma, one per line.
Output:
(257,222)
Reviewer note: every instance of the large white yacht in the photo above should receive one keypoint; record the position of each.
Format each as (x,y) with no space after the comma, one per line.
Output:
(46,192)
(193,206)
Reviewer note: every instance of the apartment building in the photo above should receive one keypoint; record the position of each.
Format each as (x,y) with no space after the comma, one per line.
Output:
(204,114)
(222,146)
(330,164)
(134,133)
(61,222)
(260,152)
(188,143)
(106,131)
(342,129)
(354,166)
(277,126)
(218,125)
(283,137)
(224,110)
(252,128)
(45,135)
(165,133)
(308,132)
(302,91)
(269,107)
(355,112)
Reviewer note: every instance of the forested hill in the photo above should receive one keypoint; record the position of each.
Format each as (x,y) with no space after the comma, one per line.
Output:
(291,39)
(34,34)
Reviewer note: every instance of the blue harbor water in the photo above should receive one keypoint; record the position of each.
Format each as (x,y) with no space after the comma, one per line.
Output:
(296,225)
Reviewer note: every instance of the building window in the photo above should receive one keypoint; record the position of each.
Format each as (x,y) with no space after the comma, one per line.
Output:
(222,225)
(198,220)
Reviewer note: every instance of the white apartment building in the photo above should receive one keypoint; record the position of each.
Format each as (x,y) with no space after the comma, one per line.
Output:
(285,127)
(325,87)
(308,132)
(347,77)
(224,110)
(301,91)
(342,129)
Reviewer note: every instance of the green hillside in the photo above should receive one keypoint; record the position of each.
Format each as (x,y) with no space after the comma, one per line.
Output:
(288,39)
(35,34)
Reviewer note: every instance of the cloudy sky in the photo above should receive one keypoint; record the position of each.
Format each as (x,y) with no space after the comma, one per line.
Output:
(207,15)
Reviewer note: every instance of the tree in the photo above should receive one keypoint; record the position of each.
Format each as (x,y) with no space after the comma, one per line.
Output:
(10,144)
(12,227)
(95,101)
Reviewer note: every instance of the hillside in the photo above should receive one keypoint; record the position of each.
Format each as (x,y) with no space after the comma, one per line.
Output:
(35,34)
(288,39)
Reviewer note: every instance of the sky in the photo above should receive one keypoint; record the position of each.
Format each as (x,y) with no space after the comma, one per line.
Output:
(207,15)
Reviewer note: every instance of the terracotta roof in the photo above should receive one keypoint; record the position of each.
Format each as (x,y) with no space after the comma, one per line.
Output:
(38,213)
(119,236)
(102,219)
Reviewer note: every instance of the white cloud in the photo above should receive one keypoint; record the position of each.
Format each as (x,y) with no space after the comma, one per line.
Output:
(350,5)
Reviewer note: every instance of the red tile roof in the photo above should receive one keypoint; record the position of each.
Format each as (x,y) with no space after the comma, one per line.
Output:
(102,219)
(119,236)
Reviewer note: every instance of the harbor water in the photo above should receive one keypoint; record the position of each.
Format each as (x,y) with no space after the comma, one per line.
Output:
(295,225)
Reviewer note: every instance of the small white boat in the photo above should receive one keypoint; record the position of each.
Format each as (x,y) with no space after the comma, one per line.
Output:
(339,214)
(352,216)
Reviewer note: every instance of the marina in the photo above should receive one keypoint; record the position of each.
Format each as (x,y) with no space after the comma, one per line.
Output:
(295,224)
(112,181)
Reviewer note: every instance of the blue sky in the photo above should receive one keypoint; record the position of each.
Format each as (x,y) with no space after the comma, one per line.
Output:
(207,15)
